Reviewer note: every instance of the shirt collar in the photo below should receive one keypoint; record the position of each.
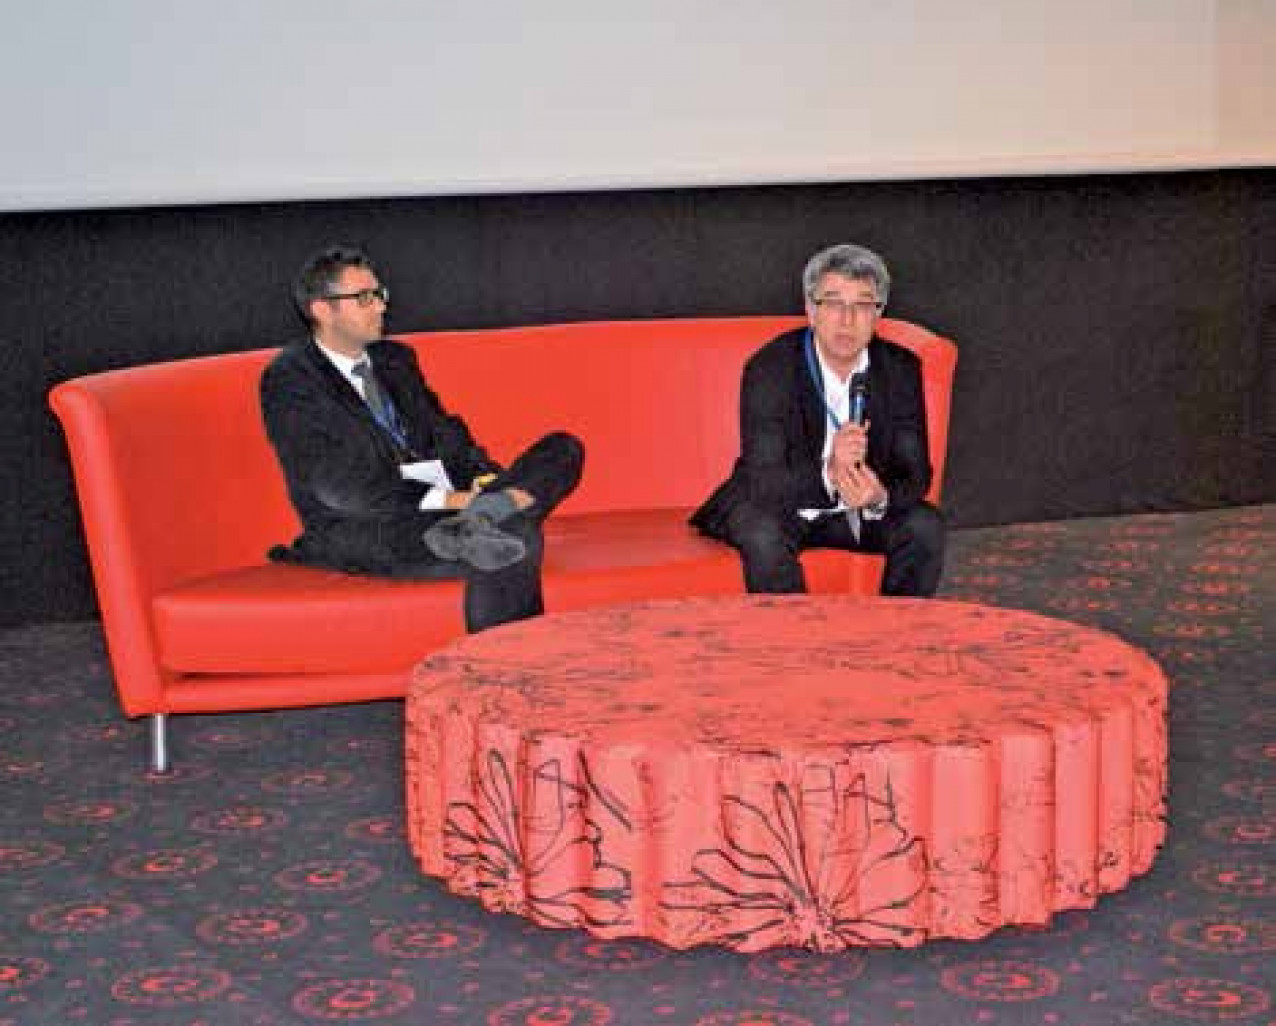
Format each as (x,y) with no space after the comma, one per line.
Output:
(345,364)
(832,383)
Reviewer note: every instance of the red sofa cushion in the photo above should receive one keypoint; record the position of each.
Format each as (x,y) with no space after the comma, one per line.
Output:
(288,619)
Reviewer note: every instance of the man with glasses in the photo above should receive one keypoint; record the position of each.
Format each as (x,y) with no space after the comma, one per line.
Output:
(385,480)
(833,442)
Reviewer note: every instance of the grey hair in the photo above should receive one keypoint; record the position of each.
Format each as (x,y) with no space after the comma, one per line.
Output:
(854,262)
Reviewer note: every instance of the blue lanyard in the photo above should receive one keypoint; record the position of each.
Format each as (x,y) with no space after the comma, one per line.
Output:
(391,424)
(817,379)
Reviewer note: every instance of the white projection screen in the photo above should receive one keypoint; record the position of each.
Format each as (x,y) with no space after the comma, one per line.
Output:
(156,102)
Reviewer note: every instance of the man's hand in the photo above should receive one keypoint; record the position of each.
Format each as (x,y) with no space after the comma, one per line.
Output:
(856,484)
(522,499)
(850,445)
(458,500)
(849,474)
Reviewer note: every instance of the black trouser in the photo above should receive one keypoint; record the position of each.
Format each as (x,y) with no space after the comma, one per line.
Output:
(548,471)
(769,544)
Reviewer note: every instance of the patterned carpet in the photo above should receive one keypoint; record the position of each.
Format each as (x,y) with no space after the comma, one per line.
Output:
(267,881)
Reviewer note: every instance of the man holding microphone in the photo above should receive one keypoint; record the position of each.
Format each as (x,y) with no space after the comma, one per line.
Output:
(833,442)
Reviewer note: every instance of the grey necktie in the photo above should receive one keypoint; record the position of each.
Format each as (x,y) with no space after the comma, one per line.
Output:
(373,394)
(853,518)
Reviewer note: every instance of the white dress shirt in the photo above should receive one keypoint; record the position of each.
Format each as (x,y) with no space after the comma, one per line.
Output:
(837,394)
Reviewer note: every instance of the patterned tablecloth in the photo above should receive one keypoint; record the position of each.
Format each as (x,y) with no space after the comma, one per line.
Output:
(761,771)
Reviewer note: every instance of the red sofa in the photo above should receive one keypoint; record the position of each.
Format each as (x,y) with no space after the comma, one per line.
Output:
(181,498)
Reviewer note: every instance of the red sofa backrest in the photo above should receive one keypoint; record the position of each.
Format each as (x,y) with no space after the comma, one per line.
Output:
(656,402)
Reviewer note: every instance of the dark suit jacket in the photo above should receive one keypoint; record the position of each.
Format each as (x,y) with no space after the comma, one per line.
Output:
(342,468)
(782,425)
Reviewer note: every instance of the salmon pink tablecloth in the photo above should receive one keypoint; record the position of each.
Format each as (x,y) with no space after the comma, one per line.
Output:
(761,771)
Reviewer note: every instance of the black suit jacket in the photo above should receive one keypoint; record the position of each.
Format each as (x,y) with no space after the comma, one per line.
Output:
(782,425)
(342,468)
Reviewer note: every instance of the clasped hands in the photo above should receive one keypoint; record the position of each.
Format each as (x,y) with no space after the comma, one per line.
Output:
(854,481)
(460,499)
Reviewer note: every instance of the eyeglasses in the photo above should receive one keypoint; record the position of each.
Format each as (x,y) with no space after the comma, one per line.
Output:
(839,307)
(364,297)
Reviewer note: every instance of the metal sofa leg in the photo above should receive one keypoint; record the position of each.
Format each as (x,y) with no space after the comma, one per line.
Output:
(159,743)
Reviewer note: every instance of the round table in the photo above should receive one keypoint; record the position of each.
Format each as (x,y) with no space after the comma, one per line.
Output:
(787,770)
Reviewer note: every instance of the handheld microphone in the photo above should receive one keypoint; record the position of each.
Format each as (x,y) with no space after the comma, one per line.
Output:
(858,399)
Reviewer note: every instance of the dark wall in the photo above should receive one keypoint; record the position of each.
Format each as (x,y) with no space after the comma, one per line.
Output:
(1116,332)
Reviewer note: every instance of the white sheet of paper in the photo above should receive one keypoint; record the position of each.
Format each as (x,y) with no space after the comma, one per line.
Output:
(428,472)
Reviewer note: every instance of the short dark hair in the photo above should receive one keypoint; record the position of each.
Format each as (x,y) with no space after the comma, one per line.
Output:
(321,273)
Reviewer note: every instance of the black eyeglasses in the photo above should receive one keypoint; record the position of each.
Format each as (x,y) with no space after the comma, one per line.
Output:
(839,307)
(364,297)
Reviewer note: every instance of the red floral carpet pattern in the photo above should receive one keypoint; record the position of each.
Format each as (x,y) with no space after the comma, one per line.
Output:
(268,882)
(813,772)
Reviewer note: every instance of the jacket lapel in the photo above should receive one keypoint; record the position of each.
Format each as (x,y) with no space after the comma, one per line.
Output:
(809,402)
(338,387)
(879,403)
